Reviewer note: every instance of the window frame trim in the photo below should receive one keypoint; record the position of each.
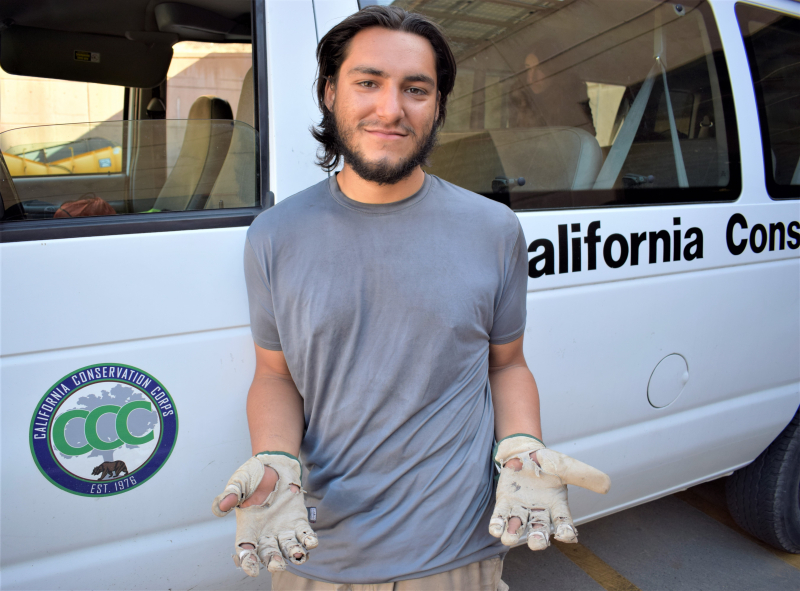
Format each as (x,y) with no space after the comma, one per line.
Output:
(776,192)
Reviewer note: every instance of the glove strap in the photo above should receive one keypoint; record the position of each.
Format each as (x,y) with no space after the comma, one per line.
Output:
(282,453)
(497,465)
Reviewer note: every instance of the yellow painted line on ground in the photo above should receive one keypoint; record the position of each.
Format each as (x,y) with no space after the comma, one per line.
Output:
(595,567)
(722,515)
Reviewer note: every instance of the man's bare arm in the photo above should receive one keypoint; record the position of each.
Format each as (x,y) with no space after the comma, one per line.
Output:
(514,393)
(515,398)
(274,406)
(275,418)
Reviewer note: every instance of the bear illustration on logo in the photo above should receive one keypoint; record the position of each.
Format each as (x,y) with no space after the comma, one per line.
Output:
(110,469)
(115,413)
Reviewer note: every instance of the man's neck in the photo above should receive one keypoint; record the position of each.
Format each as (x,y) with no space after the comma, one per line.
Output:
(358,189)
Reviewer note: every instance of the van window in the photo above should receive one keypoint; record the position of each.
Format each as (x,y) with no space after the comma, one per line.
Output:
(772,40)
(122,167)
(79,149)
(583,103)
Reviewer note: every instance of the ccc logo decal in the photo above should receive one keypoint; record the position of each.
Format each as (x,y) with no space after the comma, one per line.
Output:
(103,429)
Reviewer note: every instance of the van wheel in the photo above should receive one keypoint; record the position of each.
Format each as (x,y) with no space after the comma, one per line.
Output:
(764,497)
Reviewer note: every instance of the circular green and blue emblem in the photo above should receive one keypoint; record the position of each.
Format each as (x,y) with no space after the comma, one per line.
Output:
(103,430)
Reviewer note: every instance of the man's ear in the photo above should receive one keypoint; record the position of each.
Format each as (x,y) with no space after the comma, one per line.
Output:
(330,94)
(438,99)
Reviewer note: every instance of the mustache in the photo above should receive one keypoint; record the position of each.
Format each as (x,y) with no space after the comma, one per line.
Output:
(378,126)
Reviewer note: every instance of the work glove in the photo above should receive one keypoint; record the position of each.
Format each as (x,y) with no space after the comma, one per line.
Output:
(537,494)
(278,528)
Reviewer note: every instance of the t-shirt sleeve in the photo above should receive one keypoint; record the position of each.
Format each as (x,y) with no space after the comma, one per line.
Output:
(262,316)
(510,311)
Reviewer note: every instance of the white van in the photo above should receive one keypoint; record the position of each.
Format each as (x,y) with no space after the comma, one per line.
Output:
(650,148)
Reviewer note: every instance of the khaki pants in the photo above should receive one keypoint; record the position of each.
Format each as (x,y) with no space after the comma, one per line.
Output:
(478,576)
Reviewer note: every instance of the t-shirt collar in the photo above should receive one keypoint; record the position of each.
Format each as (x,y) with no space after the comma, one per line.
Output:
(378,208)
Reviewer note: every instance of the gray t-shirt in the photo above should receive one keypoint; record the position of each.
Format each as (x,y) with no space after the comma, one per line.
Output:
(385,314)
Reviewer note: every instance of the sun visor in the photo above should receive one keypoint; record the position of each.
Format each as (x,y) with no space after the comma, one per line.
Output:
(198,24)
(82,57)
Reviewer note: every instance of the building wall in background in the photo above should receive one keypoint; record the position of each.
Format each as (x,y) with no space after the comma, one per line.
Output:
(26,101)
(196,69)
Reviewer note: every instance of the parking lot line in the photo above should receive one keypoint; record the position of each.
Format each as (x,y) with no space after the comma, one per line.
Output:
(720,513)
(596,568)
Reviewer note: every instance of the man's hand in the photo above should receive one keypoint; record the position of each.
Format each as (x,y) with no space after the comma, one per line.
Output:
(532,492)
(271,518)
(263,490)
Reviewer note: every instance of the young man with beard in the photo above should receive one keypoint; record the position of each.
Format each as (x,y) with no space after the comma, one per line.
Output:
(387,308)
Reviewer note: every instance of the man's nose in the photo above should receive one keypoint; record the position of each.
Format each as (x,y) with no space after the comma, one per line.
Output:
(390,104)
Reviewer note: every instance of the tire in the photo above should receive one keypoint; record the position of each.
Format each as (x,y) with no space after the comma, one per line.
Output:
(764,497)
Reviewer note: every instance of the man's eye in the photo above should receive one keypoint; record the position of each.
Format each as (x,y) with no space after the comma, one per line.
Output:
(418,91)
(367,84)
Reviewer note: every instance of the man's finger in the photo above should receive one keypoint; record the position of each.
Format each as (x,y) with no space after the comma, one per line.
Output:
(270,554)
(223,498)
(564,528)
(247,558)
(573,471)
(539,534)
(514,524)
(511,536)
(499,520)
(306,536)
(276,563)
(228,503)
(291,547)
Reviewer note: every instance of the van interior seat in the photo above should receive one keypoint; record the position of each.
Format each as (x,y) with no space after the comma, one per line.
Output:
(236,184)
(548,158)
(205,145)
(700,157)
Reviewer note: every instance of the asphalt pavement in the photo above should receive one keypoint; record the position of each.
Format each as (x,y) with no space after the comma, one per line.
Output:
(683,542)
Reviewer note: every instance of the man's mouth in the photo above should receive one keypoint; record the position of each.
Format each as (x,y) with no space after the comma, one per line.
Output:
(388,134)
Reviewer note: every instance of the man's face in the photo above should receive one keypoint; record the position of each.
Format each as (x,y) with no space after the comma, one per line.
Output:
(535,75)
(384,104)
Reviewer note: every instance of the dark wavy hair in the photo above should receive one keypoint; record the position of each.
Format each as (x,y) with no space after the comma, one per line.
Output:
(332,51)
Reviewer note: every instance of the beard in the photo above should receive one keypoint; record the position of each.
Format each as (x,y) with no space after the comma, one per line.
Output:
(381,172)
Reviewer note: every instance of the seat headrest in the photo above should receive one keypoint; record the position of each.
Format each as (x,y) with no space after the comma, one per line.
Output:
(210,107)
(245,112)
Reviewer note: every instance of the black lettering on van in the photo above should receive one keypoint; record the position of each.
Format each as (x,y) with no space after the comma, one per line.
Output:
(674,246)
(662,235)
(636,240)
(547,257)
(781,230)
(762,244)
(563,249)
(676,240)
(794,236)
(696,244)
(608,255)
(576,249)
(737,219)
(591,241)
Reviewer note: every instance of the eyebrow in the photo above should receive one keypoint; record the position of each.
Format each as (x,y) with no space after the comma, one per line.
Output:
(370,71)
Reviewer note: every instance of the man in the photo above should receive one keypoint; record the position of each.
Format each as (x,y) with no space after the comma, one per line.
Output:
(384,303)
(546,98)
